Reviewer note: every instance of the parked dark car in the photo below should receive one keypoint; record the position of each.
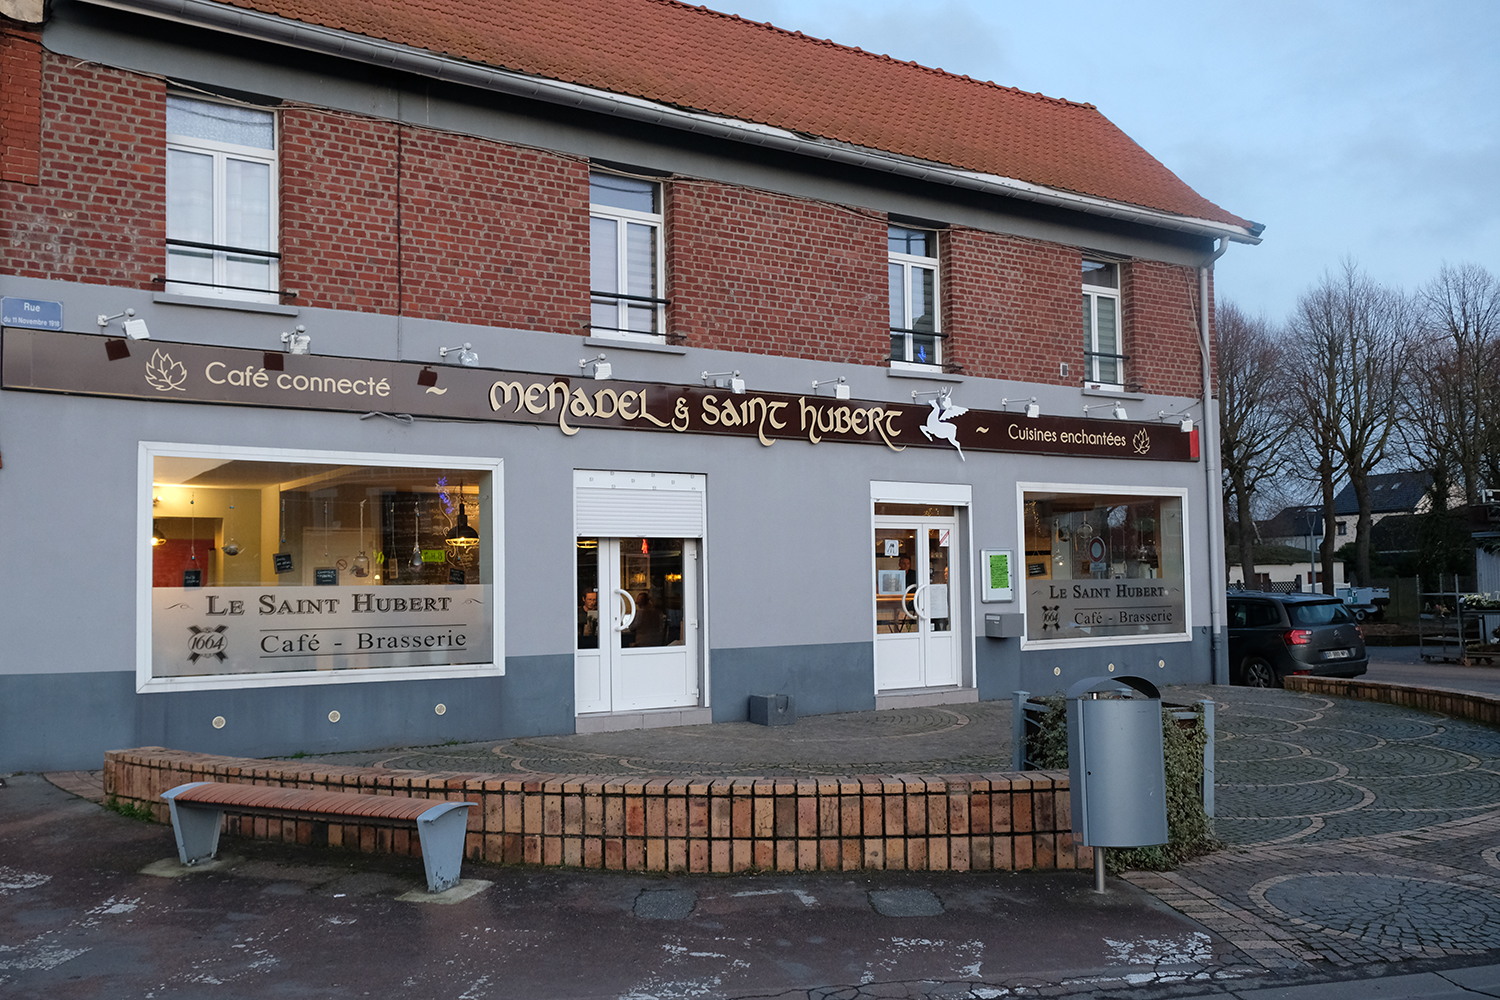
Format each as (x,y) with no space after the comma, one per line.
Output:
(1272,635)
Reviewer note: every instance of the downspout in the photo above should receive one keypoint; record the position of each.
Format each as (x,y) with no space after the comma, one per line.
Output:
(1214,492)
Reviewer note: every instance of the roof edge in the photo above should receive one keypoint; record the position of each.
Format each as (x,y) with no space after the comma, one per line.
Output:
(274,29)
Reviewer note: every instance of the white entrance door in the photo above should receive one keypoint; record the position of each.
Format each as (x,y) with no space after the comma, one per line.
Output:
(916,618)
(637,632)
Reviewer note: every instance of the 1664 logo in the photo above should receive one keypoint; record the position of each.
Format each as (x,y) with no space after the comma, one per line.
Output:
(206,642)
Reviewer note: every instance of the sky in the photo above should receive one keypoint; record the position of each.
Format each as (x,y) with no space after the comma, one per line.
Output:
(1367,130)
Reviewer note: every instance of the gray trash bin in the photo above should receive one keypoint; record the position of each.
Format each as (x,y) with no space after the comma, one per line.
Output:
(1116,766)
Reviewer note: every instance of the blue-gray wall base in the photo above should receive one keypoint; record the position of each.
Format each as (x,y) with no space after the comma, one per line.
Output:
(68,721)
(1003,668)
(825,678)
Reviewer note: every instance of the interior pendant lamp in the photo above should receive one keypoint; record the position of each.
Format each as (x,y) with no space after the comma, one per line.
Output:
(461,535)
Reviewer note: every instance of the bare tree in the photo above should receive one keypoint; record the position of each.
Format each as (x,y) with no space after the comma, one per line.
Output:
(1315,389)
(1252,443)
(1457,386)
(1356,340)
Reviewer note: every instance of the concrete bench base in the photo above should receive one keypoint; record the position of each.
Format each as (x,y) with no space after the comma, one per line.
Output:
(696,824)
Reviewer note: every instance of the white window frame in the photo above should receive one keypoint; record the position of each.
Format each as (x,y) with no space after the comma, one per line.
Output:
(1088,489)
(221,153)
(620,217)
(908,262)
(1091,362)
(489,522)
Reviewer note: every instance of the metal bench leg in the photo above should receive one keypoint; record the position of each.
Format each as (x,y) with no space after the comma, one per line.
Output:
(196,826)
(441,831)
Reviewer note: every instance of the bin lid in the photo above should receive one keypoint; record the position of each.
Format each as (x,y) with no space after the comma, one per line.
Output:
(1123,684)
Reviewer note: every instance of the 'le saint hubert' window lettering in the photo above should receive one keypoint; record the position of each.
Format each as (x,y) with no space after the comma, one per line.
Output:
(625,226)
(1104,364)
(916,333)
(221,203)
(271,565)
(1103,566)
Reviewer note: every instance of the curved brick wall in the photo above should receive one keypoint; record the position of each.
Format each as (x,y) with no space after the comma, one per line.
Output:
(956,822)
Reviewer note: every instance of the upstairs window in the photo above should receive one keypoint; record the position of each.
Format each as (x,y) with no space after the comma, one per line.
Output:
(625,233)
(221,205)
(916,334)
(1104,365)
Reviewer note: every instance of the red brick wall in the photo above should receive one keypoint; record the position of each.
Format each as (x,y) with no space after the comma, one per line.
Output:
(20,105)
(96,214)
(1010,307)
(495,235)
(1159,303)
(338,217)
(771,274)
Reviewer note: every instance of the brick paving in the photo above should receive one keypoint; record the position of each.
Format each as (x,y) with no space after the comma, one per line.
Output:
(1357,833)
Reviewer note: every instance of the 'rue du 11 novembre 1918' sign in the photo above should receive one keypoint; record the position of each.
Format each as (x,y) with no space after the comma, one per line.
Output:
(251,630)
(90,364)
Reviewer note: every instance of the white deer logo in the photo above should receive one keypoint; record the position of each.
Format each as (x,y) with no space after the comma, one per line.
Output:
(936,426)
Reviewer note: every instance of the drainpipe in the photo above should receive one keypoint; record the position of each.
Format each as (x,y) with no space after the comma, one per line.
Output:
(1213,494)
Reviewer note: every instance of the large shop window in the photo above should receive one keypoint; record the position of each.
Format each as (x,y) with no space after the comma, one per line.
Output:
(221,201)
(272,566)
(1104,366)
(916,333)
(1104,566)
(625,224)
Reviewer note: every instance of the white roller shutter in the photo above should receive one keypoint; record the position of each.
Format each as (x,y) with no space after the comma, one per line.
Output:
(638,504)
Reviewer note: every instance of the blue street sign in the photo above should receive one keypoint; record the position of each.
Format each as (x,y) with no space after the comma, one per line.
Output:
(34,314)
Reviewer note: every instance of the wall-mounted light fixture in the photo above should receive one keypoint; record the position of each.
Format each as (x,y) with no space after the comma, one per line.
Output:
(1183,420)
(157,538)
(1032,407)
(602,369)
(1118,412)
(467,356)
(135,329)
(840,386)
(299,342)
(725,380)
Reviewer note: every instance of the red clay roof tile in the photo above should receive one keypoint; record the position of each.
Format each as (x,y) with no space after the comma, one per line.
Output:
(720,64)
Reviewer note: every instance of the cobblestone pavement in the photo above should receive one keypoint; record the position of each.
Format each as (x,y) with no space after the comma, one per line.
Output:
(955,739)
(1358,833)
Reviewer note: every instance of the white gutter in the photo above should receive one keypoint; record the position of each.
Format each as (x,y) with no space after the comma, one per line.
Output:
(346,45)
(1213,495)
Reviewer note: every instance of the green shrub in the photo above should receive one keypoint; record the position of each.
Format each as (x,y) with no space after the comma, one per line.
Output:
(130,810)
(1189,830)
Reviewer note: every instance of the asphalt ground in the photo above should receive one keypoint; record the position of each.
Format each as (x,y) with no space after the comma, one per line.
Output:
(1362,860)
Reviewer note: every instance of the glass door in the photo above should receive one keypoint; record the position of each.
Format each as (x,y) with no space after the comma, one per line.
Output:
(637,622)
(915,615)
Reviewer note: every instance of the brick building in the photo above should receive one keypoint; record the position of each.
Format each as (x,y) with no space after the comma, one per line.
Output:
(391,373)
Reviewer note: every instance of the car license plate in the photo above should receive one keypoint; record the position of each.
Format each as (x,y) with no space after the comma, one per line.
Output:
(1335,654)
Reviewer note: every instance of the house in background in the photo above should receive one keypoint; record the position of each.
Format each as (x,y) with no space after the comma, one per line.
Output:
(407,372)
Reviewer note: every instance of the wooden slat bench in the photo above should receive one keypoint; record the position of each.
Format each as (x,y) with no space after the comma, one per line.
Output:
(198,807)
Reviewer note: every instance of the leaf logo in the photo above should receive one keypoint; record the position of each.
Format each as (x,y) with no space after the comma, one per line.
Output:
(1142,442)
(164,374)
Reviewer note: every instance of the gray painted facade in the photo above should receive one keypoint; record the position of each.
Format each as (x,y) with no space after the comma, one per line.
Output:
(794,513)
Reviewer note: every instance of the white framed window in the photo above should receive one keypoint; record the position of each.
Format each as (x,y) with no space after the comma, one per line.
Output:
(1104,565)
(625,246)
(221,201)
(266,567)
(916,330)
(1104,362)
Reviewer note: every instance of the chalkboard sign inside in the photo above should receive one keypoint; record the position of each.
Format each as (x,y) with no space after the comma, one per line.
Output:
(282,562)
(326,576)
(192,578)
(456,576)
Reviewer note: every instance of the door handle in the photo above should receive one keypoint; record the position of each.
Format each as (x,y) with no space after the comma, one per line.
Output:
(916,600)
(626,620)
(909,591)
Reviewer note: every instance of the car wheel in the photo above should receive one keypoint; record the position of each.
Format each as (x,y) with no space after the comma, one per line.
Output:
(1359,616)
(1256,672)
